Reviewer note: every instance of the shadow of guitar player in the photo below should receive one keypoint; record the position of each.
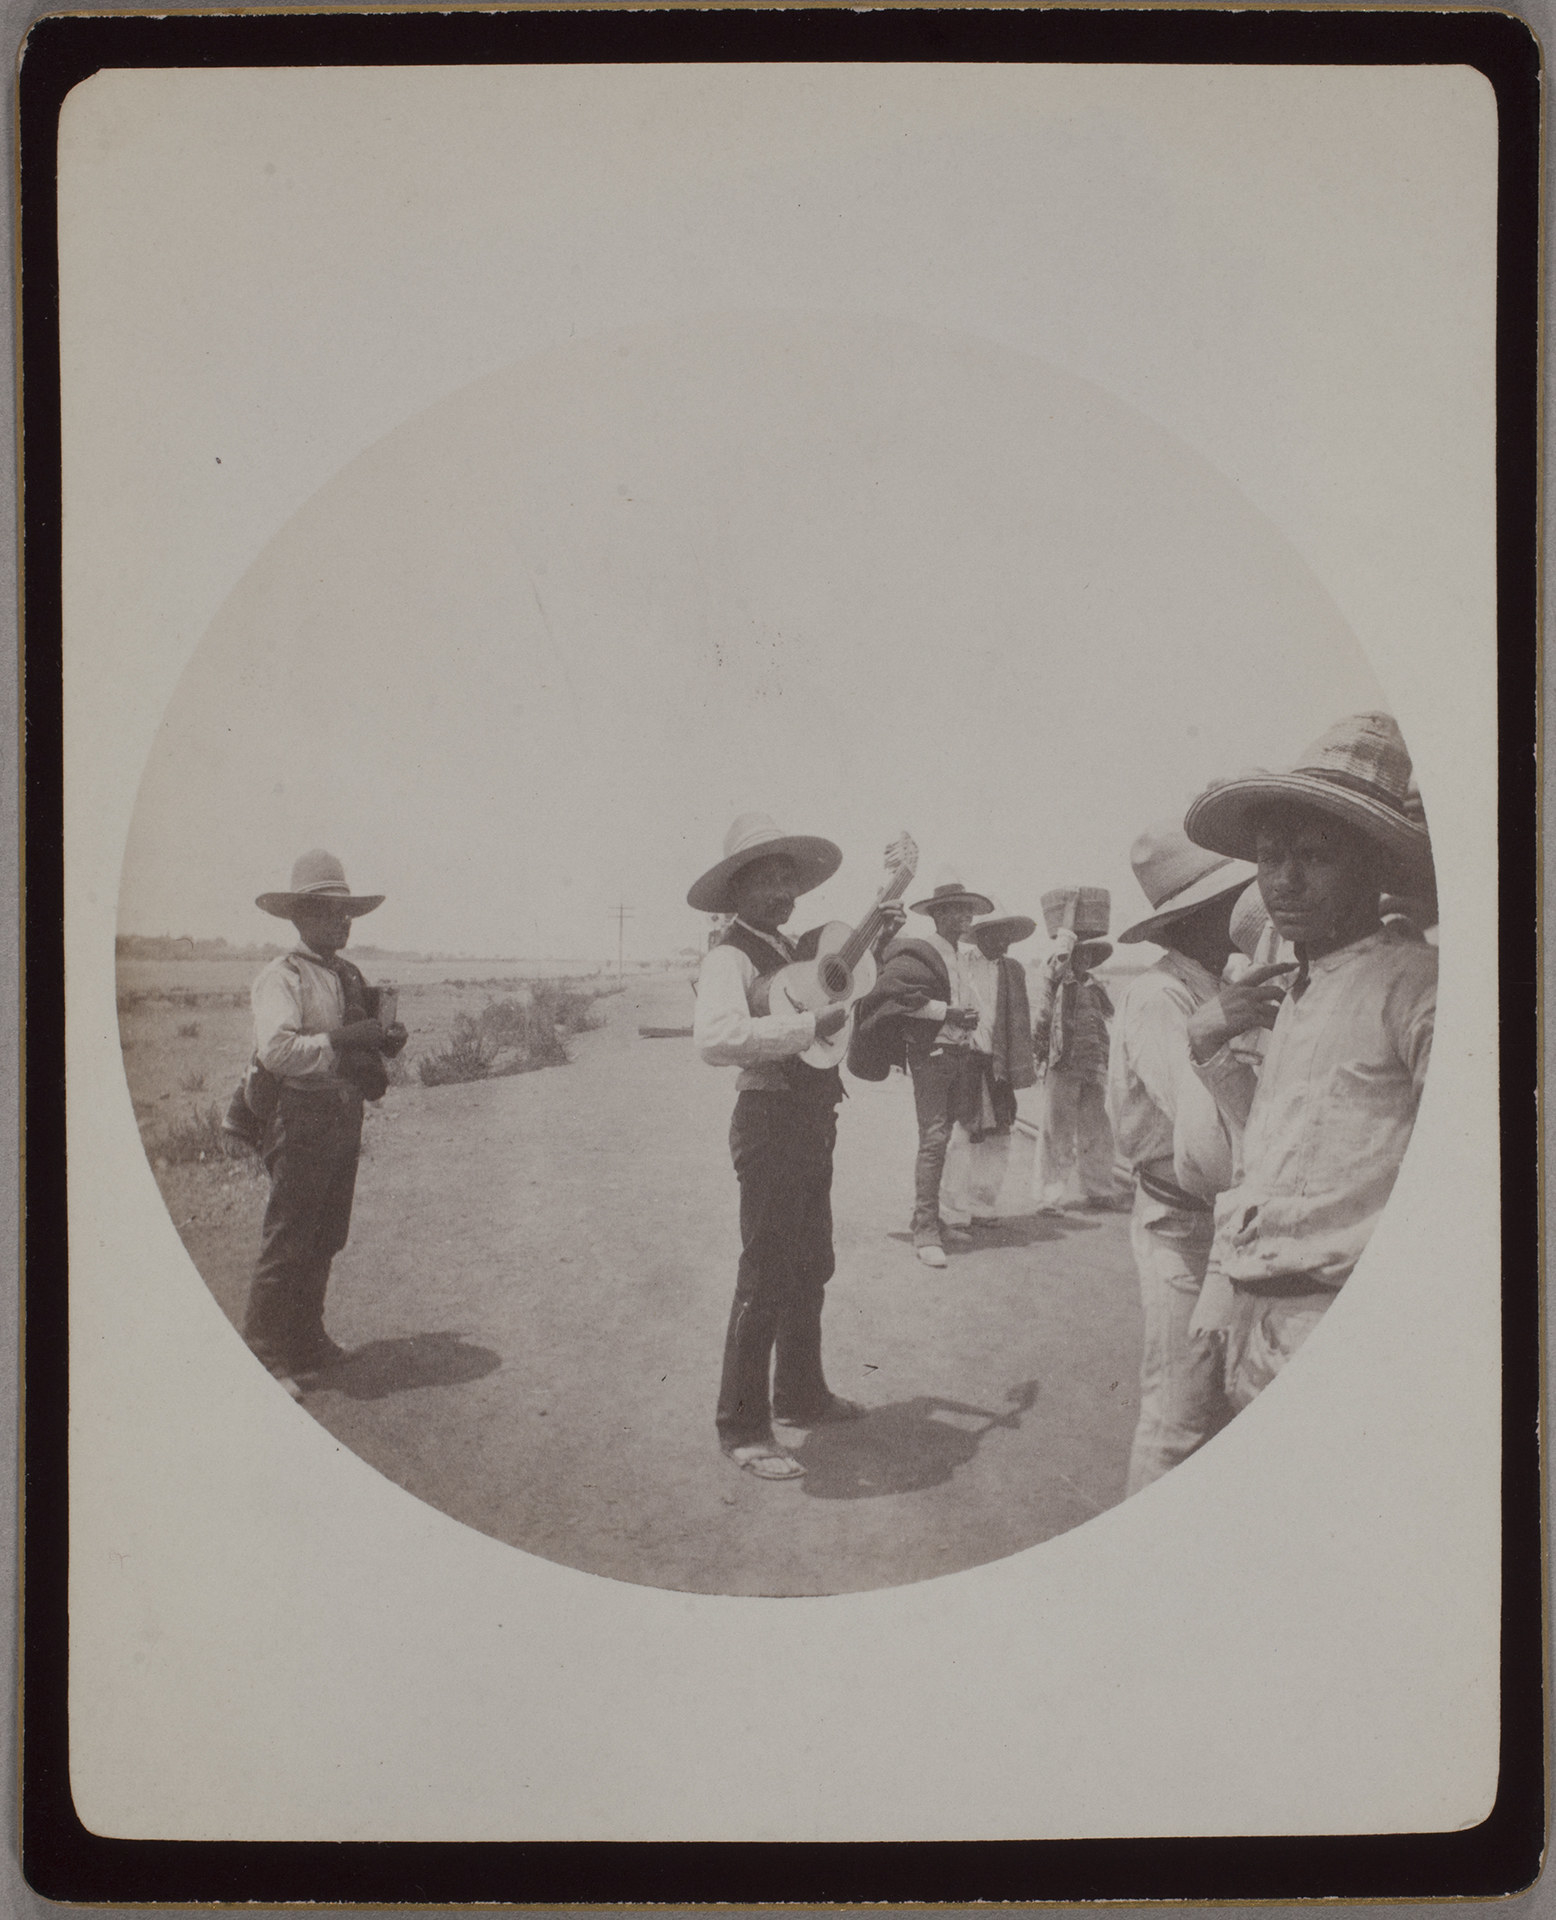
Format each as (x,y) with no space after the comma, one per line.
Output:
(382,1367)
(903,1447)
(1017,1230)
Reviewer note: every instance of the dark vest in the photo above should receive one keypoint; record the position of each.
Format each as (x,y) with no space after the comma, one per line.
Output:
(824,1085)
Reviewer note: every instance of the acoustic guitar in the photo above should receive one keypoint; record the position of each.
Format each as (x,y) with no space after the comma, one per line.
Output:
(842,969)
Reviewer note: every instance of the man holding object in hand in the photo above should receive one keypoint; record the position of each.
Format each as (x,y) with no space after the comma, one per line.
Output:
(780,1138)
(920,1015)
(1350,1036)
(320,1050)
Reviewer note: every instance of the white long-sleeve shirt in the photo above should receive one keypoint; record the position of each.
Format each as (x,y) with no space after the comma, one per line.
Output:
(297,1000)
(725,1031)
(1164,1117)
(1333,1114)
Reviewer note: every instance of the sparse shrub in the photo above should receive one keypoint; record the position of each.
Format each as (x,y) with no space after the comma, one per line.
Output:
(195,1138)
(468,1056)
(190,1030)
(193,1083)
(571,1003)
(505,1021)
(507,1036)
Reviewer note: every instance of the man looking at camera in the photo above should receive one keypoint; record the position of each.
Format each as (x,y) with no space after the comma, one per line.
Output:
(1350,1039)
(319,1051)
(922,1015)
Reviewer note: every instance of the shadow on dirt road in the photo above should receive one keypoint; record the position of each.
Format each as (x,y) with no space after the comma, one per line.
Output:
(383,1367)
(903,1447)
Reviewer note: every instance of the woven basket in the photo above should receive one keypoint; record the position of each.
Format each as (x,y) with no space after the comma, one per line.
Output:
(1092,908)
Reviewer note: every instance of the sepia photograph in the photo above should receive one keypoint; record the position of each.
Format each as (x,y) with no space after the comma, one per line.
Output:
(768,772)
(464,660)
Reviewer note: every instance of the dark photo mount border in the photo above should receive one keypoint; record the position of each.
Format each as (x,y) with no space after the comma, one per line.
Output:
(61,1859)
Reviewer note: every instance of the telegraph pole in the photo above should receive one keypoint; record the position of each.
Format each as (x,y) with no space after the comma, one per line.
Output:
(623,914)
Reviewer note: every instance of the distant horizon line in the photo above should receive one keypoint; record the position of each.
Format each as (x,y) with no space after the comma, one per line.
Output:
(238,948)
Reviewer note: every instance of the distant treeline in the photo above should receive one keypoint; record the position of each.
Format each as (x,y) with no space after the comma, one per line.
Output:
(167,946)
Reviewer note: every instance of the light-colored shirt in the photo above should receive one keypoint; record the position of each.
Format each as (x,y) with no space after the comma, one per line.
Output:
(980,984)
(297,1000)
(1164,1117)
(725,1030)
(1332,1115)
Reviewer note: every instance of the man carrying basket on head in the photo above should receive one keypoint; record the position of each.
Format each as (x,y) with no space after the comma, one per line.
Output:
(1070,1033)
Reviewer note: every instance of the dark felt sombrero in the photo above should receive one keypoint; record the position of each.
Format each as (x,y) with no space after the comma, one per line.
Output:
(949,892)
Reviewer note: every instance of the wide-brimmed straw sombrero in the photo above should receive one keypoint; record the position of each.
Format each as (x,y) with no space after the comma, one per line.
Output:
(756,836)
(1358,772)
(1016,927)
(318,875)
(949,892)
(1177,877)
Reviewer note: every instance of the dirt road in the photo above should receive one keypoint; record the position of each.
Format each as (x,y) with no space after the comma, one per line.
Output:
(535,1292)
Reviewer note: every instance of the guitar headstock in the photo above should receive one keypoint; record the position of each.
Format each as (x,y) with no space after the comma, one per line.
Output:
(902,858)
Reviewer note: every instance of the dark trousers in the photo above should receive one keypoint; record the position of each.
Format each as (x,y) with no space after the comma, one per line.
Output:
(937,1080)
(312,1145)
(782,1148)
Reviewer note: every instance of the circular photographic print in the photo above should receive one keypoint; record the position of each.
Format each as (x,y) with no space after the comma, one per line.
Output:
(777,955)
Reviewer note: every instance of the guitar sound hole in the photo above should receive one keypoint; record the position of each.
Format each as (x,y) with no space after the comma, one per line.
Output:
(834,976)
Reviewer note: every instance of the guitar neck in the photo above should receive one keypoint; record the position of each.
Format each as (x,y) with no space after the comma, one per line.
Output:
(862,938)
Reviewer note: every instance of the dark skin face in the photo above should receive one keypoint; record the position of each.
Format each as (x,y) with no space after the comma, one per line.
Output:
(953,921)
(992,943)
(1319,878)
(323,924)
(764,892)
(1204,934)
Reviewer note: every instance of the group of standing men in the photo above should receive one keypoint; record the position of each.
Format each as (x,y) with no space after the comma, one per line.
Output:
(1263,1111)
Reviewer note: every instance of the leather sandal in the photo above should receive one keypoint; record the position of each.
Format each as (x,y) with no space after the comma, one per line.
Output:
(766,1460)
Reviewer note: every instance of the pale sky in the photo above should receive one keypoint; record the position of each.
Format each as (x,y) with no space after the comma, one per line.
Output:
(996,453)
(529,656)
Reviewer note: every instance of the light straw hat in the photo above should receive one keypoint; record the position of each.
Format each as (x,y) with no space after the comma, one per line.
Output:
(1176,877)
(1015,926)
(1251,925)
(1358,772)
(756,836)
(318,875)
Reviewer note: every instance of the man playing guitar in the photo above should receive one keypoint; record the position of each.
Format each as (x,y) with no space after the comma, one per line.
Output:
(781,1139)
